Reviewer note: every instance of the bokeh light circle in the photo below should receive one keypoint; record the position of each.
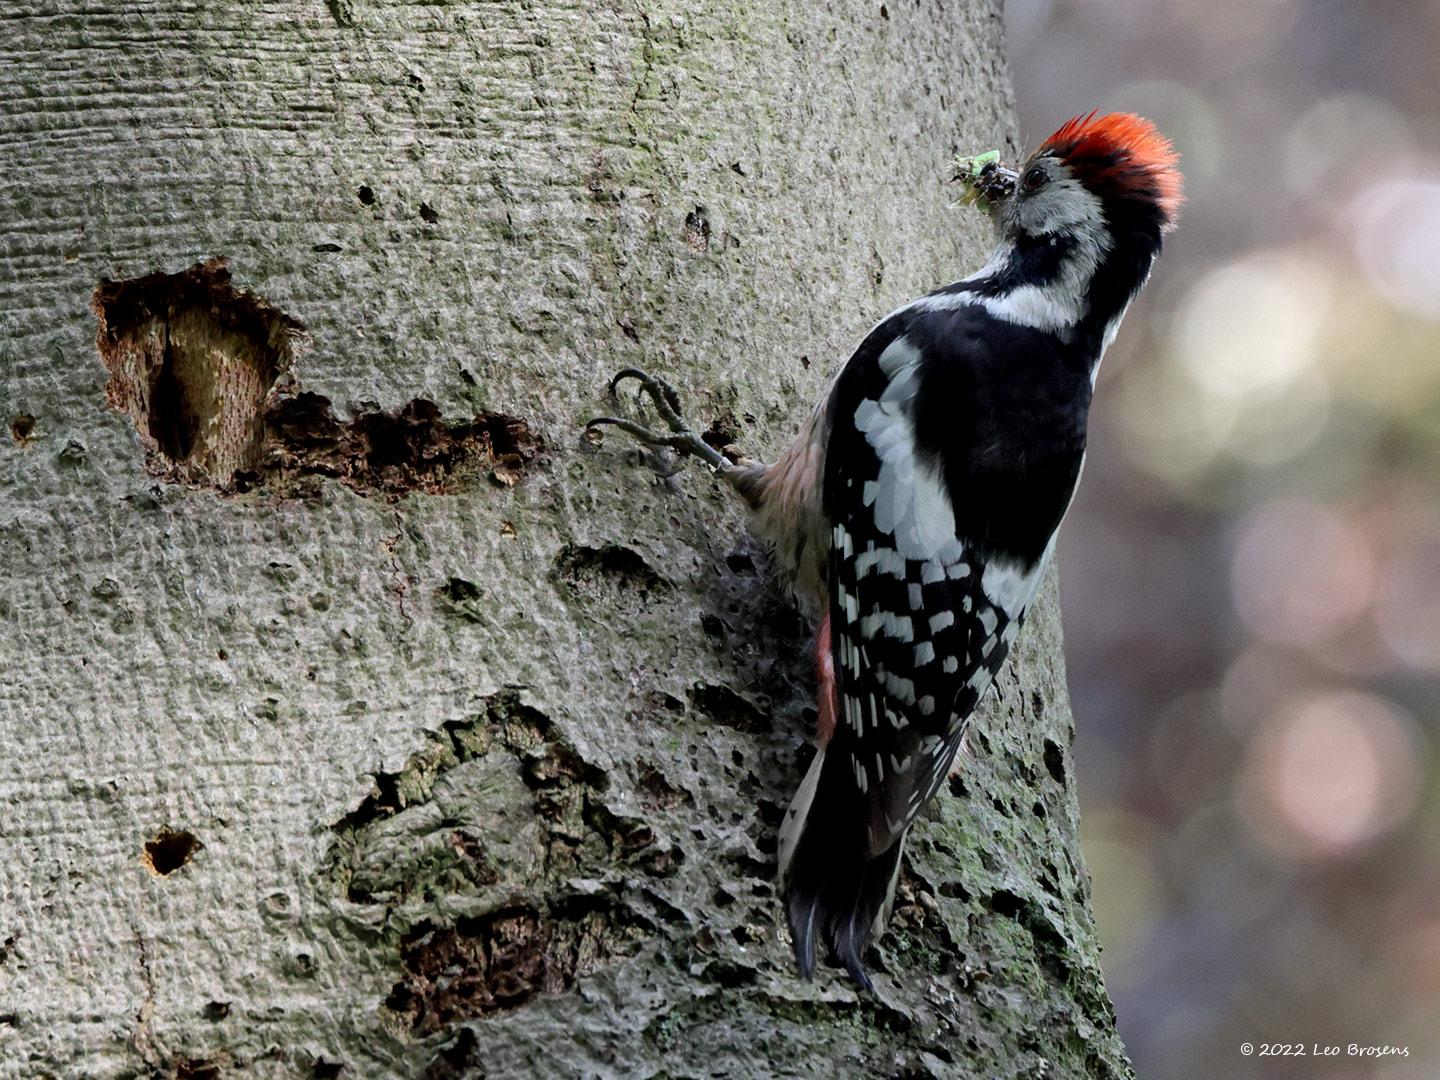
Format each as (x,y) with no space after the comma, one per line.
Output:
(1301,572)
(1330,774)
(1396,234)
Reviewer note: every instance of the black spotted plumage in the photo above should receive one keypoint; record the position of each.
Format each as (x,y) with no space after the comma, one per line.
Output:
(919,504)
(998,416)
(952,442)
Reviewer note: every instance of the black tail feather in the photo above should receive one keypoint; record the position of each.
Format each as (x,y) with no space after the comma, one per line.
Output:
(834,892)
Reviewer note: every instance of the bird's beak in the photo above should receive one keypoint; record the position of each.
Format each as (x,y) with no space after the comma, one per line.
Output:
(986,180)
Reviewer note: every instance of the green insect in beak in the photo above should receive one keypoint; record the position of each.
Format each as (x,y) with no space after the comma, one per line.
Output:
(986,181)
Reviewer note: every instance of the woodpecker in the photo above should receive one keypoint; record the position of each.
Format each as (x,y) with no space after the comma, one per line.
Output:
(918,507)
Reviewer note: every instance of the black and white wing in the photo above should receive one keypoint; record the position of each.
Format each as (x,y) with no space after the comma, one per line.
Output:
(929,575)
(922,615)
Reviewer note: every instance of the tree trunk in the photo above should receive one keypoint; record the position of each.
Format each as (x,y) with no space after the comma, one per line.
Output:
(366,720)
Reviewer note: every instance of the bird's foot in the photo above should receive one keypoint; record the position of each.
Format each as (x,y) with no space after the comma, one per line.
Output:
(681,437)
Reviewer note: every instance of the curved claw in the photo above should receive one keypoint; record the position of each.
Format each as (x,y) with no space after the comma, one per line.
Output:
(644,434)
(666,400)
(682,441)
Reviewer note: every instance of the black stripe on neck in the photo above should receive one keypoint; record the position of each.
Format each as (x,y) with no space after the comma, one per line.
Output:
(1135,226)
(1033,260)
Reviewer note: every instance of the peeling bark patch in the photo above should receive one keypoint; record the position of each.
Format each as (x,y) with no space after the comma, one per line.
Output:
(167,851)
(192,360)
(505,720)
(566,795)
(527,848)
(203,371)
(501,961)
(387,453)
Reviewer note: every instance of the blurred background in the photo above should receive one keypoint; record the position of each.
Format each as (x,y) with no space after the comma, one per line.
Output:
(1251,572)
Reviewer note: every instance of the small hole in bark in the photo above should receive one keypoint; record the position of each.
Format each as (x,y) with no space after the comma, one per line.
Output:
(1055,762)
(740,563)
(22,428)
(660,792)
(611,572)
(459,1058)
(328,1070)
(724,706)
(953,890)
(1004,902)
(457,590)
(429,213)
(168,851)
(196,1069)
(215,1011)
(366,195)
(697,230)
(192,360)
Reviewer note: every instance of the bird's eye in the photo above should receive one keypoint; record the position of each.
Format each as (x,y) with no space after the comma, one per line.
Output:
(1034,178)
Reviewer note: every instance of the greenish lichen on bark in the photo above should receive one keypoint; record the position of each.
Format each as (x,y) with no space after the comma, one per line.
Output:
(487,774)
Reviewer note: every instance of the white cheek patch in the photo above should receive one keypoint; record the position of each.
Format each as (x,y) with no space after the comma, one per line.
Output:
(1063,205)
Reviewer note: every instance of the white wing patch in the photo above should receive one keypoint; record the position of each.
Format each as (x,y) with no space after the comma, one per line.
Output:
(908,499)
(1010,586)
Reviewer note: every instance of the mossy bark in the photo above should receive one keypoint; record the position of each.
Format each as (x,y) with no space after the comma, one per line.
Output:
(376,724)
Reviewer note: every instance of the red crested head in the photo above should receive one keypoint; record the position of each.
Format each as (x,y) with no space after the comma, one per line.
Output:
(1121,155)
